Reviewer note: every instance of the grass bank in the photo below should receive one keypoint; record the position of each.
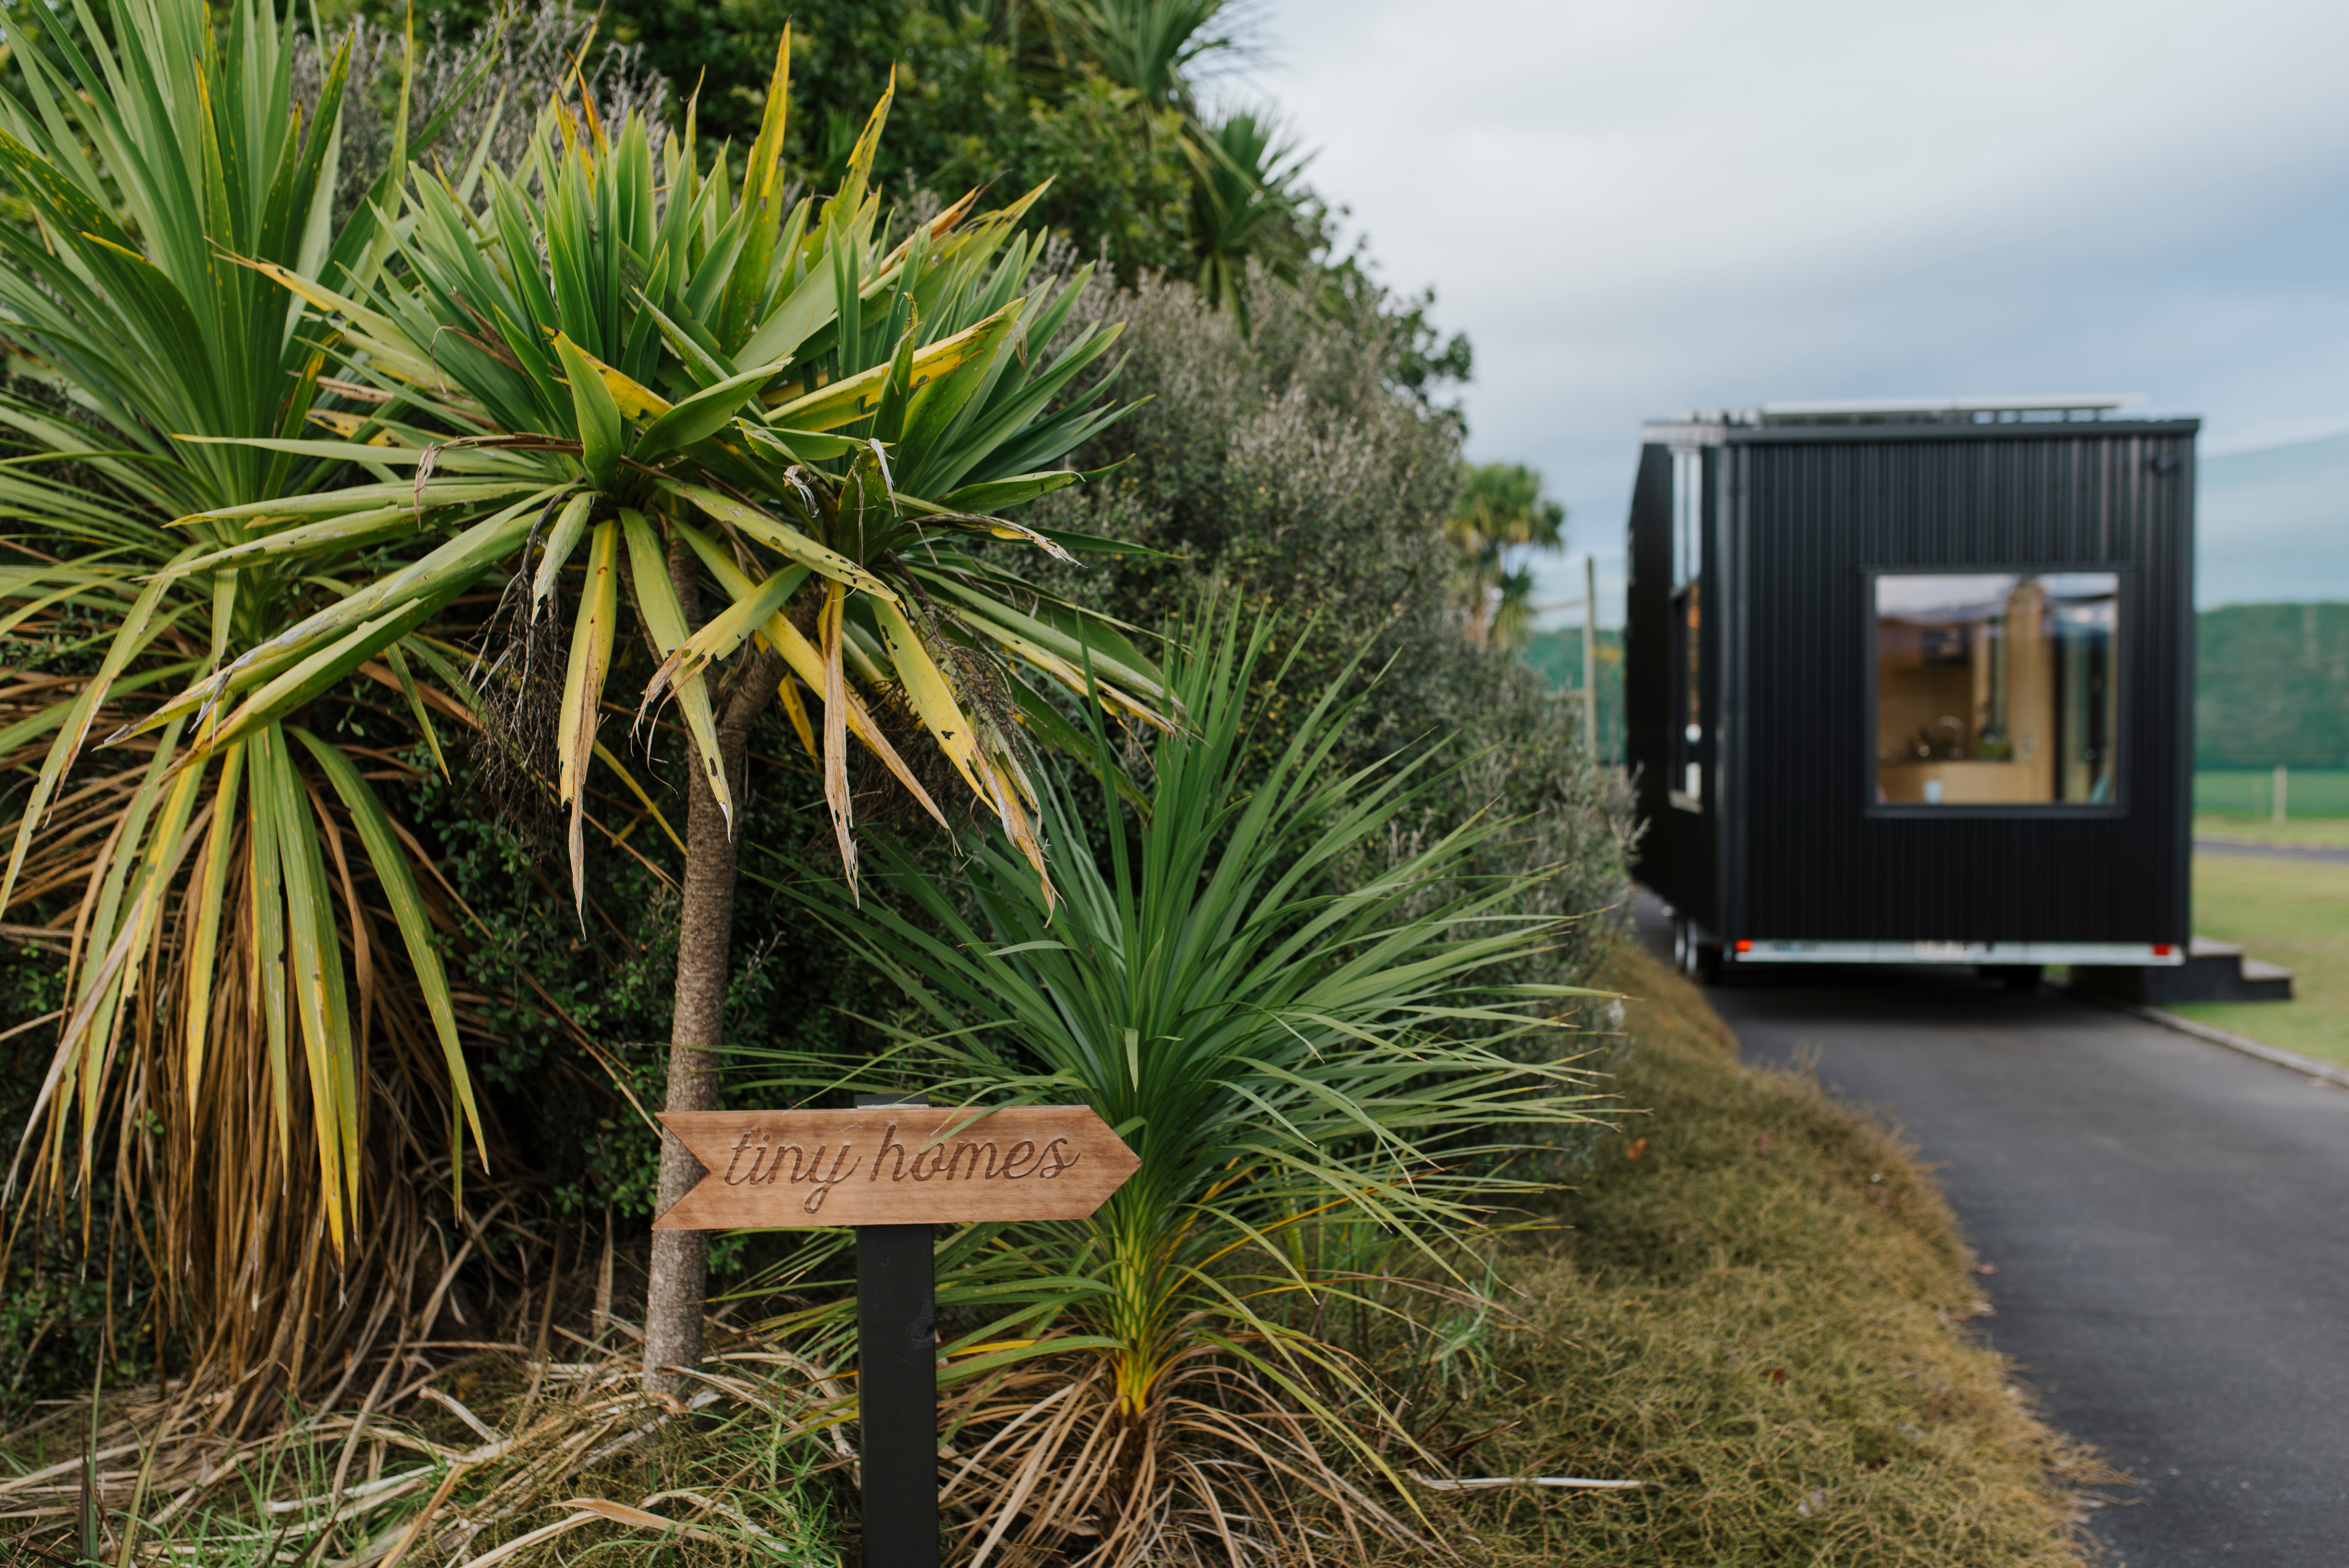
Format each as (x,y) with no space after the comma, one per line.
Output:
(2291,912)
(1753,1302)
(1758,1306)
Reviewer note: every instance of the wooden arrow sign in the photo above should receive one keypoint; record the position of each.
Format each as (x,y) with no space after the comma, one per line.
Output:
(894,1165)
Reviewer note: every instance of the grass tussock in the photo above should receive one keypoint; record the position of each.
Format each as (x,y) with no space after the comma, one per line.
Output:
(1757,1306)
(488,1455)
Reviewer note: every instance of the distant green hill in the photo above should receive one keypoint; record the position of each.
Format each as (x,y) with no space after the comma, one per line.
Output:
(2272,685)
(1557,656)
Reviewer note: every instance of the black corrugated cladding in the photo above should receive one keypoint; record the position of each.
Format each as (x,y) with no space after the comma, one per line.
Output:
(1797,518)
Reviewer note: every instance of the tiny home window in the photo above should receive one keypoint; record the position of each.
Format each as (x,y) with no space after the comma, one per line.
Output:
(1684,788)
(1686,785)
(1997,689)
(1688,516)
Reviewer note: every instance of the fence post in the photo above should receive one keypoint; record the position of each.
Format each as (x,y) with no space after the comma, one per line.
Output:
(2283,778)
(1591,657)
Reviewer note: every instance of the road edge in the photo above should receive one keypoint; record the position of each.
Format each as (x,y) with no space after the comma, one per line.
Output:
(2274,1054)
(2271,850)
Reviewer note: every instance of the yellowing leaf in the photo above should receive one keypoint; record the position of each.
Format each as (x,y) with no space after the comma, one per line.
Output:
(859,395)
(932,696)
(583,687)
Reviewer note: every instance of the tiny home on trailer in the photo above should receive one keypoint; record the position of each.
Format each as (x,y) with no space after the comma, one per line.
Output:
(1912,682)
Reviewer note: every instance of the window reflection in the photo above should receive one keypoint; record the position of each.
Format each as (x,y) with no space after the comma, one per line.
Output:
(1997,688)
(1687,778)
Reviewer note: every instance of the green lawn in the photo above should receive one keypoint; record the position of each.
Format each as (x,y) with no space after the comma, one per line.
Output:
(2294,913)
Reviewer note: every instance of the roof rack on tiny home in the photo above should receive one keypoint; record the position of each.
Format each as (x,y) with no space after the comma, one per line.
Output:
(1912,681)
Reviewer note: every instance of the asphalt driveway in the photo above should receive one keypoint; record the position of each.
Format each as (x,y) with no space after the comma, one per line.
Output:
(2169,1223)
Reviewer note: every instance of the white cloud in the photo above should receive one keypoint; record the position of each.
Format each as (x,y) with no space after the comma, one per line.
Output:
(1643,205)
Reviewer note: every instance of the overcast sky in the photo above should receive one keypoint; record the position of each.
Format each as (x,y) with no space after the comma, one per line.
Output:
(1638,206)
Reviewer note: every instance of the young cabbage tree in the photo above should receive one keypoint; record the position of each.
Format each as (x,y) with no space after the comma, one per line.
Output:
(1310,1022)
(755,436)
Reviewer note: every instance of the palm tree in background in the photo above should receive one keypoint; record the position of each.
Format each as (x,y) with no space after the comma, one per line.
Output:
(1501,509)
(1157,49)
(1248,204)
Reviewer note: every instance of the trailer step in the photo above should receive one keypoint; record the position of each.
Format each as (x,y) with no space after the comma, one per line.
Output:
(2213,971)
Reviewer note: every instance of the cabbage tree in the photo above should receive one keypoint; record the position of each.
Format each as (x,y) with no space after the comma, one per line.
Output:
(771,439)
(205,905)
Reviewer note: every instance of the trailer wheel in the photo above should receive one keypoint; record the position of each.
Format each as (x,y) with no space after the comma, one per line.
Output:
(1692,954)
(2021,976)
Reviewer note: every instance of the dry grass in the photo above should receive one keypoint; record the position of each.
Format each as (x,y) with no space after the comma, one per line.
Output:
(1044,1470)
(457,1455)
(1758,1310)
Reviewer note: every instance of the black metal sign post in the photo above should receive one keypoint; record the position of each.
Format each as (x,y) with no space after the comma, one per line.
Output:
(898,1385)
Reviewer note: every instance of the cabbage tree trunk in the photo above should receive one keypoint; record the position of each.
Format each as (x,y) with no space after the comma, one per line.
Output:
(678,1287)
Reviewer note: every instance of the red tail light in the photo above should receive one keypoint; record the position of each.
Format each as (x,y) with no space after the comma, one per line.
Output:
(1743,946)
